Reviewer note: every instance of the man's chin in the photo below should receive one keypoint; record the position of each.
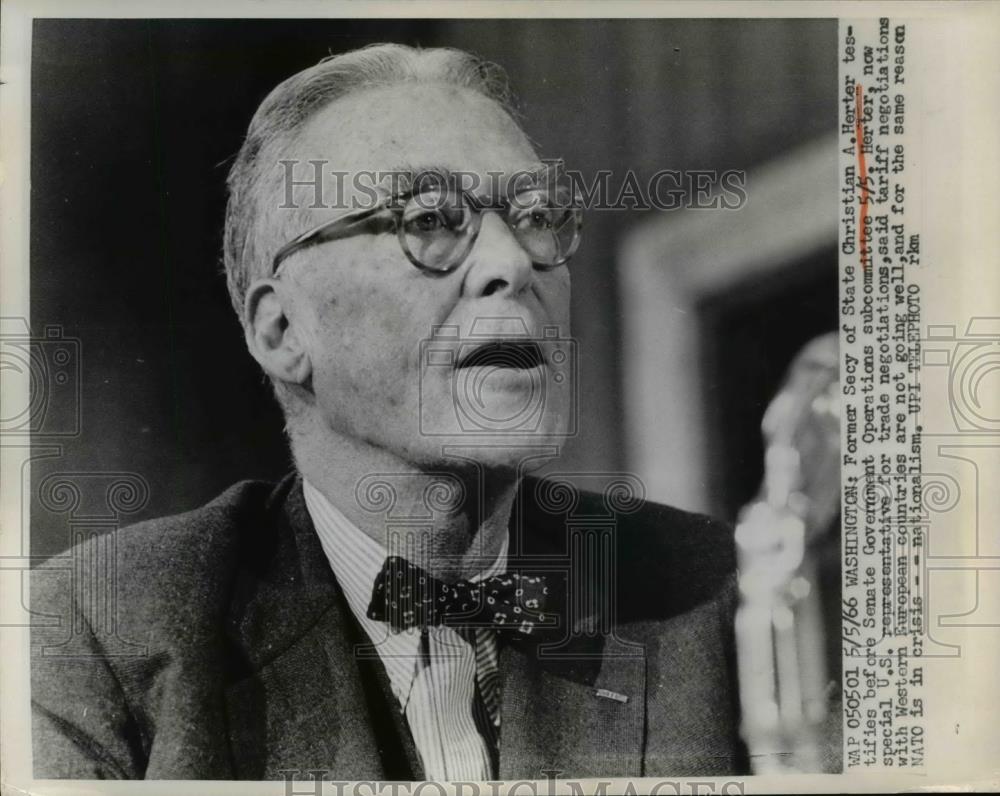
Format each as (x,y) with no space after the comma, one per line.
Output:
(517,452)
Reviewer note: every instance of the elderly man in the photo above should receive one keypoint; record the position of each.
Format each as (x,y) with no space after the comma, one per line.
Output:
(409,604)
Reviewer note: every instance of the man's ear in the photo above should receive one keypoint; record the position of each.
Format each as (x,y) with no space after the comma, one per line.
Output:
(274,341)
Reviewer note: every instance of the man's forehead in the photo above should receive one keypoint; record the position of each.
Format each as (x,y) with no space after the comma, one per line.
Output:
(430,176)
(416,128)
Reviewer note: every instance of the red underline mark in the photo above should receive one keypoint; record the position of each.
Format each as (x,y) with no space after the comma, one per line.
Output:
(859,133)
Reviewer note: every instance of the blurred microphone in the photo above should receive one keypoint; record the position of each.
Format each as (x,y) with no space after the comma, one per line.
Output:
(779,625)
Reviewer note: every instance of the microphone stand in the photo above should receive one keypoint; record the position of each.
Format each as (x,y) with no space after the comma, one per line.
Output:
(779,624)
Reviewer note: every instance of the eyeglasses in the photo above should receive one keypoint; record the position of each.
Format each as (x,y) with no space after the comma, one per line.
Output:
(438,226)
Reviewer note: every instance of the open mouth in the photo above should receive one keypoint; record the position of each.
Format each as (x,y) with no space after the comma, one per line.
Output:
(518,355)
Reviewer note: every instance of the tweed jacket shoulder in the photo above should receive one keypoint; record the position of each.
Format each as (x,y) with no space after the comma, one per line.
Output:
(216,644)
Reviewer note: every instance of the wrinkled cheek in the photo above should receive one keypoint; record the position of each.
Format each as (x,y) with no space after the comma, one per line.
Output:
(370,338)
(556,297)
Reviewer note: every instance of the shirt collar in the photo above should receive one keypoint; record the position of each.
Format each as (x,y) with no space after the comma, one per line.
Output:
(356,559)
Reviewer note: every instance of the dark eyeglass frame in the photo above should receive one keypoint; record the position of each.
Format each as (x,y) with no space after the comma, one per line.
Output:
(389,212)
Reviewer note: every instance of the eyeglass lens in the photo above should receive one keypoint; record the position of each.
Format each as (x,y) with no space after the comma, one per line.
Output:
(437,227)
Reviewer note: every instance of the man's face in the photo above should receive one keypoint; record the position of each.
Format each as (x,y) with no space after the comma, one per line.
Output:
(389,344)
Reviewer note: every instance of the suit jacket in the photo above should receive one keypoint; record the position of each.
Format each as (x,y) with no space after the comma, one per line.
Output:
(216,644)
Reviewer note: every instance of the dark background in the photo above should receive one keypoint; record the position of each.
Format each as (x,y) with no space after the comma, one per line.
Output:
(135,122)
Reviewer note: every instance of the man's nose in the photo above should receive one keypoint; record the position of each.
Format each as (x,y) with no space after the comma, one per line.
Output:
(498,264)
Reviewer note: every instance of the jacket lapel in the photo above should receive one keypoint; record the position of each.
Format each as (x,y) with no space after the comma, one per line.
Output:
(580,717)
(296,705)
(575,706)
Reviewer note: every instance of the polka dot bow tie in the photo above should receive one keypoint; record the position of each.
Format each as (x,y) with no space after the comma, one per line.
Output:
(406,596)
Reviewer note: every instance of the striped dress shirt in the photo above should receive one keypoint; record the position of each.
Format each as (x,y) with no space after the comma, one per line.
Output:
(434,672)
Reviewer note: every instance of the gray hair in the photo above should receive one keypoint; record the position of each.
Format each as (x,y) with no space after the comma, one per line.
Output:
(255,175)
